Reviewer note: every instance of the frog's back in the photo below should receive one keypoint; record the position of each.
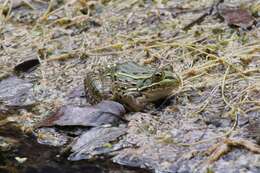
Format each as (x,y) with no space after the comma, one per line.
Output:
(132,68)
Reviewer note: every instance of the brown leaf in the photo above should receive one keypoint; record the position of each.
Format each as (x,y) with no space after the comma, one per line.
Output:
(237,17)
(27,65)
(106,112)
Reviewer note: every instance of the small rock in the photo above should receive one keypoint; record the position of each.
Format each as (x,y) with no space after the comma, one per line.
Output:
(20,159)
(97,141)
(15,91)
(49,136)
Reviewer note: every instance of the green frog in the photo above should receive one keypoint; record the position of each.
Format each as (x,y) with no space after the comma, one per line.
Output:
(131,84)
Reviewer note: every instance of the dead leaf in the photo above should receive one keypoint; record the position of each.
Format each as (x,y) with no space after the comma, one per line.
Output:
(237,17)
(106,112)
(27,65)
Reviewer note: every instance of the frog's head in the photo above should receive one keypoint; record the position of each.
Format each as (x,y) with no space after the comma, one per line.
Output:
(163,82)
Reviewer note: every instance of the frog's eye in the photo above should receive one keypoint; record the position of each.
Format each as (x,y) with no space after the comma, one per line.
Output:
(158,76)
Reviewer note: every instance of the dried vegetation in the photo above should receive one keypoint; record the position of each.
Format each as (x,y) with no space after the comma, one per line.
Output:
(217,56)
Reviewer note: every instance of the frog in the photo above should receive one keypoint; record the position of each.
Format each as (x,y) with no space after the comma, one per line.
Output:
(133,85)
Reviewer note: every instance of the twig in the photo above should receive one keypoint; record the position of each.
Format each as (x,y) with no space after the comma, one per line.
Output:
(223,87)
(202,17)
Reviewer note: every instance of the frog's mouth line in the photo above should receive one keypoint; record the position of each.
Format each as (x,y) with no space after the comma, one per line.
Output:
(133,76)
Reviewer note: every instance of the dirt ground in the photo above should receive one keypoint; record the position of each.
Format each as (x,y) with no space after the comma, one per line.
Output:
(210,124)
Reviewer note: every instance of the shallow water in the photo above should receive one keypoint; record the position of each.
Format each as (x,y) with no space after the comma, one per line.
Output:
(46,159)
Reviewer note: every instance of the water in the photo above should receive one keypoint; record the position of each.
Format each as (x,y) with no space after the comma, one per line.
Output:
(46,159)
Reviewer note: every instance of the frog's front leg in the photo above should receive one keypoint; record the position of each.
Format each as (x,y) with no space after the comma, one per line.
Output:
(134,102)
